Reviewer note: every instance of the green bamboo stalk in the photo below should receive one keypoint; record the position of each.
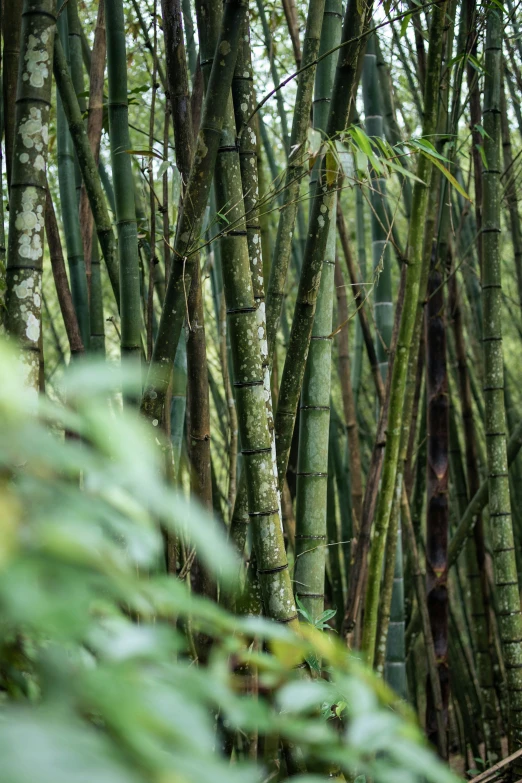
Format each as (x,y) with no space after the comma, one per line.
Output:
(314,429)
(349,408)
(198,405)
(244,104)
(69,206)
(394,665)
(294,172)
(193,208)
(383,308)
(508,612)
(343,482)
(12,27)
(406,328)
(91,175)
(28,184)
(242,315)
(355,24)
(510,191)
(75,61)
(360,232)
(334,552)
(391,126)
(130,310)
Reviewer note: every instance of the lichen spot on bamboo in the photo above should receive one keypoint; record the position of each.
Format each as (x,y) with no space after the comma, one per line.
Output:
(34,132)
(30,222)
(37,60)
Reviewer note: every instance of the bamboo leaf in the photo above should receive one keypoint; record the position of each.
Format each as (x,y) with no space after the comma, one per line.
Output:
(361,140)
(449,176)
(404,25)
(402,171)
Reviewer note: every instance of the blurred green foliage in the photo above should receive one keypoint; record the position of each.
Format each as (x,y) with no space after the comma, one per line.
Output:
(96,683)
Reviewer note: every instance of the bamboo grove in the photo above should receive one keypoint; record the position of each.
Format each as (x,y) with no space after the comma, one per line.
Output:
(298,226)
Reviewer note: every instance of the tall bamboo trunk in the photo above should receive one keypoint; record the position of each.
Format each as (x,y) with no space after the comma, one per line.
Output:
(437,509)
(355,23)
(314,419)
(28,184)
(349,407)
(130,306)
(12,28)
(247,362)
(244,104)
(93,175)
(198,405)
(294,173)
(94,131)
(508,603)
(191,217)
(404,342)
(69,206)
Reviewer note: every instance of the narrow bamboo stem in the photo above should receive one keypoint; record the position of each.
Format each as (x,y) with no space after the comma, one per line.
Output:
(130,309)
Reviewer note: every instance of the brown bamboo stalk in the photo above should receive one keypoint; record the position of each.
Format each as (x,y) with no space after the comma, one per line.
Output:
(94,129)
(61,281)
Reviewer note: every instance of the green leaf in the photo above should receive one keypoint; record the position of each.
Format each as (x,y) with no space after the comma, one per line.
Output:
(482,153)
(449,176)
(361,140)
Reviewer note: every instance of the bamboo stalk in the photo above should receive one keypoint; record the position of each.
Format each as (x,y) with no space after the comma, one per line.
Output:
(130,310)
(94,131)
(12,28)
(315,493)
(29,185)
(508,612)
(247,359)
(355,23)
(191,216)
(92,177)
(400,367)
(294,172)
(69,208)
(60,280)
